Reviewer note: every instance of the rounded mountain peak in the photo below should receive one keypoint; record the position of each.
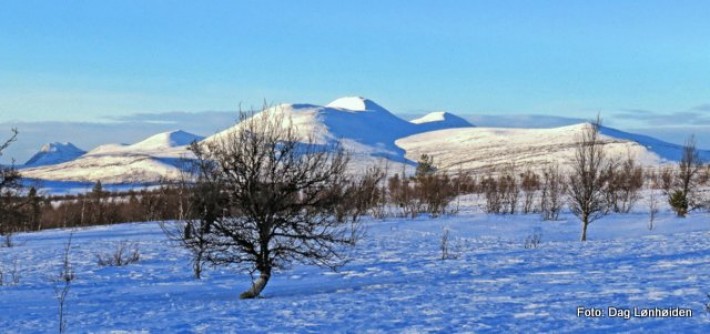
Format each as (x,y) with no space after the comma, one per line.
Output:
(355,103)
(442,119)
(168,139)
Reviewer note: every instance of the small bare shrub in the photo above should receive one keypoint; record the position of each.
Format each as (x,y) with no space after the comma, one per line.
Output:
(125,254)
(533,241)
(12,275)
(652,209)
(62,284)
(444,245)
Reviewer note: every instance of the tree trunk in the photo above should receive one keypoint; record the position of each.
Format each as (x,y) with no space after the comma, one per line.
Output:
(584,229)
(257,286)
(197,265)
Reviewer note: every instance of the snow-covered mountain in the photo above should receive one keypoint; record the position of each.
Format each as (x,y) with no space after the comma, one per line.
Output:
(440,120)
(371,134)
(160,144)
(362,126)
(495,148)
(54,153)
(158,157)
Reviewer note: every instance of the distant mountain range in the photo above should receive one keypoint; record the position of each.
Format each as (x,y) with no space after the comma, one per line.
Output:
(366,129)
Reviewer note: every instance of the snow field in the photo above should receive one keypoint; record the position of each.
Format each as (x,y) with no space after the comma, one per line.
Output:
(395,281)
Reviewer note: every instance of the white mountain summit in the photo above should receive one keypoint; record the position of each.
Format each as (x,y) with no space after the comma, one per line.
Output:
(439,120)
(54,153)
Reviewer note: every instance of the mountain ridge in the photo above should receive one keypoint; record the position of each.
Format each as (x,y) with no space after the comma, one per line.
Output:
(370,133)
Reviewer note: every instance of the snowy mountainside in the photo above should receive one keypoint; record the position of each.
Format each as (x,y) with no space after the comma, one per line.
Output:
(156,158)
(439,120)
(158,144)
(666,151)
(54,153)
(484,149)
(166,140)
(110,168)
(359,124)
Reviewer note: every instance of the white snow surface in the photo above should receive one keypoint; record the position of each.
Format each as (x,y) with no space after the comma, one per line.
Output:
(54,153)
(395,281)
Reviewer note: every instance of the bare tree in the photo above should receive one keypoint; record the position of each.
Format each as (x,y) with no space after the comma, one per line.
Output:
(490,186)
(553,188)
(501,192)
(435,190)
(529,184)
(380,208)
(624,181)
(362,193)
(509,187)
(206,202)
(586,180)
(403,193)
(282,198)
(682,194)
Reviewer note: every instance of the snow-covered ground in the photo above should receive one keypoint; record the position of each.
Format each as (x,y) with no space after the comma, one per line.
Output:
(396,281)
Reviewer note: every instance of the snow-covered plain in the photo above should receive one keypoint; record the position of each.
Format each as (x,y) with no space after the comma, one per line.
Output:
(396,281)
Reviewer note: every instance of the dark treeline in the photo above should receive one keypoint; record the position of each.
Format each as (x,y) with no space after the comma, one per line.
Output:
(509,190)
(97,207)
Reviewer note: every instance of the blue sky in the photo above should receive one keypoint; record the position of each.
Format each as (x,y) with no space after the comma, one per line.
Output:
(644,65)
